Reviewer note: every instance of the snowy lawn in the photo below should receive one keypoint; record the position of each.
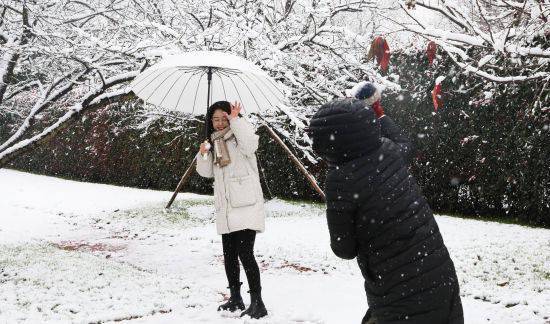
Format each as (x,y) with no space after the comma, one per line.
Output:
(82,252)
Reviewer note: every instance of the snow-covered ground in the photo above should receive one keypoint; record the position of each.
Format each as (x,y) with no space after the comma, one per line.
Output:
(82,252)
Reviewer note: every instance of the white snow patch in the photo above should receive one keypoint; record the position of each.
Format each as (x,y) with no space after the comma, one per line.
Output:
(82,252)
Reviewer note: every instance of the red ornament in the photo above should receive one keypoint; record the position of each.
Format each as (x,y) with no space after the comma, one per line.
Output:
(436,96)
(381,50)
(430,51)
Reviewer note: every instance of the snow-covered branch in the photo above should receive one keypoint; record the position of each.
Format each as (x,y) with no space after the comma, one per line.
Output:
(12,48)
(508,34)
(45,100)
(20,89)
(93,100)
(307,45)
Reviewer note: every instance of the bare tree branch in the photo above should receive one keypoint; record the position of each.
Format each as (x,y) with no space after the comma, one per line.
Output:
(62,123)
(445,13)
(12,55)
(94,99)
(28,86)
(489,39)
(45,101)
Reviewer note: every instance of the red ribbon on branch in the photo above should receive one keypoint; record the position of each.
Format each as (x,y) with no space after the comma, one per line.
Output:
(436,93)
(381,51)
(431,51)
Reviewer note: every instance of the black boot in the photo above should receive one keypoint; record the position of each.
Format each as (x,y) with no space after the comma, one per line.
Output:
(256,308)
(235,301)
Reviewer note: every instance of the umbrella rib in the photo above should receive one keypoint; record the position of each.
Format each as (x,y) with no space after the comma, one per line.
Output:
(269,87)
(145,76)
(236,89)
(260,89)
(154,79)
(160,84)
(223,86)
(251,93)
(170,89)
(183,90)
(160,72)
(211,92)
(197,91)
(275,86)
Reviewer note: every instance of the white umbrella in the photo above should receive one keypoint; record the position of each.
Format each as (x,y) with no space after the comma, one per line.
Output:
(191,81)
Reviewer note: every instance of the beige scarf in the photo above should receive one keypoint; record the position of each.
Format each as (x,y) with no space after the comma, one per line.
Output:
(221,154)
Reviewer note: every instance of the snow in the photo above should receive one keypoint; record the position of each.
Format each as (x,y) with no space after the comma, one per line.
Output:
(535,51)
(75,109)
(489,76)
(447,35)
(84,252)
(38,107)
(485,60)
(492,35)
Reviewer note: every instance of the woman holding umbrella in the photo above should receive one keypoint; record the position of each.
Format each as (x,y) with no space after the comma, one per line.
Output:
(229,157)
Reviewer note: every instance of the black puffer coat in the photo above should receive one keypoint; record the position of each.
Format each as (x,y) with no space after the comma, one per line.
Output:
(377,213)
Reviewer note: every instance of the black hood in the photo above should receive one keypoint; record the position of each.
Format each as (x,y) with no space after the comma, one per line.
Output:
(343,130)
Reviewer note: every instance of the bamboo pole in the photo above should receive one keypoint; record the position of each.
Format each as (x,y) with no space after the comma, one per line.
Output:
(183,180)
(294,159)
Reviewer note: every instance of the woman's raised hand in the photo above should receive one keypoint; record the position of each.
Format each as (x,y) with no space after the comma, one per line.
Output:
(235,110)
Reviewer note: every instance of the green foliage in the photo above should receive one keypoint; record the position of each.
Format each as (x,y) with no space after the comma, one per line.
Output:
(486,152)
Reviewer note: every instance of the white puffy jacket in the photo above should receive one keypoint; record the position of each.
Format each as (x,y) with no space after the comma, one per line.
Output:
(238,196)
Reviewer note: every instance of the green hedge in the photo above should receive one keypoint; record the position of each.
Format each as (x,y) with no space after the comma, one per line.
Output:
(102,149)
(504,172)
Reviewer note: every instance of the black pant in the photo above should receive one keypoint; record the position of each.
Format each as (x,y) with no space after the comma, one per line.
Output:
(240,245)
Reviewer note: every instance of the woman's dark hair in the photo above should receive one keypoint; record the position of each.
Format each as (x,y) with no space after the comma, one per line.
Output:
(222,105)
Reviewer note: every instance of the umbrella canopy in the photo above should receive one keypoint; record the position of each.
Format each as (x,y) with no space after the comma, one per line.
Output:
(191,81)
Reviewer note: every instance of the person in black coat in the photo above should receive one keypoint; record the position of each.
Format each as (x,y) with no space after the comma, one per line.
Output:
(377,213)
